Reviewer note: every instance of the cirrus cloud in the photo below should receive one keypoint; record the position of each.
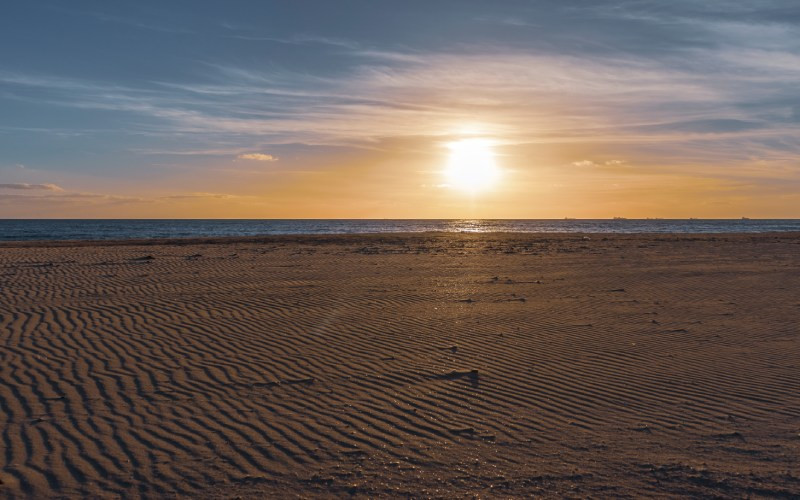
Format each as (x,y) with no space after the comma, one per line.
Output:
(25,186)
(592,163)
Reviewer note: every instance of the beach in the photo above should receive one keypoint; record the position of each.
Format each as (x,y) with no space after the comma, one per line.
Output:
(402,365)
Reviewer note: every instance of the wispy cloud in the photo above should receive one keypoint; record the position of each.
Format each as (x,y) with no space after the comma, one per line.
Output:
(592,163)
(257,157)
(299,39)
(524,96)
(65,204)
(32,187)
(719,78)
(136,23)
(191,196)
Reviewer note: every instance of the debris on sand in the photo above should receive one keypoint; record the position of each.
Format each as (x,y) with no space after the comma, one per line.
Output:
(353,452)
(462,430)
(304,380)
(145,258)
(730,435)
(462,373)
(270,383)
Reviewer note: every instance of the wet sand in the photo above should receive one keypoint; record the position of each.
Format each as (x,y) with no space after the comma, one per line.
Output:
(433,365)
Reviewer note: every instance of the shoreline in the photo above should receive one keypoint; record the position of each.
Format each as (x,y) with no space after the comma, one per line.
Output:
(336,238)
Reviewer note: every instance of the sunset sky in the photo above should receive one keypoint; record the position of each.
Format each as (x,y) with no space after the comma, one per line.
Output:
(350,109)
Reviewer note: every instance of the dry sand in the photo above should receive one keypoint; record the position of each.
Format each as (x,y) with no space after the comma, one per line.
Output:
(405,365)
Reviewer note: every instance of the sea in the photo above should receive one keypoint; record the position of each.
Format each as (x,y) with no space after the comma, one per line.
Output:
(114,229)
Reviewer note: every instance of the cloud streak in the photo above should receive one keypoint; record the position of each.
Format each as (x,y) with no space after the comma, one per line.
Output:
(257,157)
(562,97)
(32,187)
(705,89)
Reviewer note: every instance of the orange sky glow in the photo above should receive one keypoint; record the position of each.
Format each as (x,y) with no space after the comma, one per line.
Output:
(489,110)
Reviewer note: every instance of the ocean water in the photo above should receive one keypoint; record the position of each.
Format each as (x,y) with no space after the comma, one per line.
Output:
(93,229)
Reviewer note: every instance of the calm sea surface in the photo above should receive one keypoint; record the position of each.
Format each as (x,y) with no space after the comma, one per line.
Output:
(13,230)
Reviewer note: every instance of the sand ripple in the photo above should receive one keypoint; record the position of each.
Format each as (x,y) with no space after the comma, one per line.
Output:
(426,365)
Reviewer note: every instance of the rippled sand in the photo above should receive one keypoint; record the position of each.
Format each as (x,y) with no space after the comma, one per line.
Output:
(439,365)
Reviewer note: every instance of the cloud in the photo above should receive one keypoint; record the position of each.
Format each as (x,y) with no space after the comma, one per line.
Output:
(704,85)
(52,203)
(257,157)
(520,95)
(590,163)
(189,196)
(137,23)
(719,125)
(300,40)
(40,187)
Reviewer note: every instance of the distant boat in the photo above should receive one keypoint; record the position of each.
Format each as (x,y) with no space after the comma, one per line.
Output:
(569,218)
(620,218)
(745,218)
(692,218)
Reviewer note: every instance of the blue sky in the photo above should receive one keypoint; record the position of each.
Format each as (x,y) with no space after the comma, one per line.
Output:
(344,108)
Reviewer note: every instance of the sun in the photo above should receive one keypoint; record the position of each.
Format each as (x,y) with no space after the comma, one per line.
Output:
(471,166)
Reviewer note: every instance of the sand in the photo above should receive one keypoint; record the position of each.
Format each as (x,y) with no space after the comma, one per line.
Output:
(436,365)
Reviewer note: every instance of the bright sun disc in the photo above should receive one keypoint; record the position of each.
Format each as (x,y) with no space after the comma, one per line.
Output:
(471,166)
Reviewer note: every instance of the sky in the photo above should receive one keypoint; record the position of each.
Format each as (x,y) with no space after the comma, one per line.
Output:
(355,109)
